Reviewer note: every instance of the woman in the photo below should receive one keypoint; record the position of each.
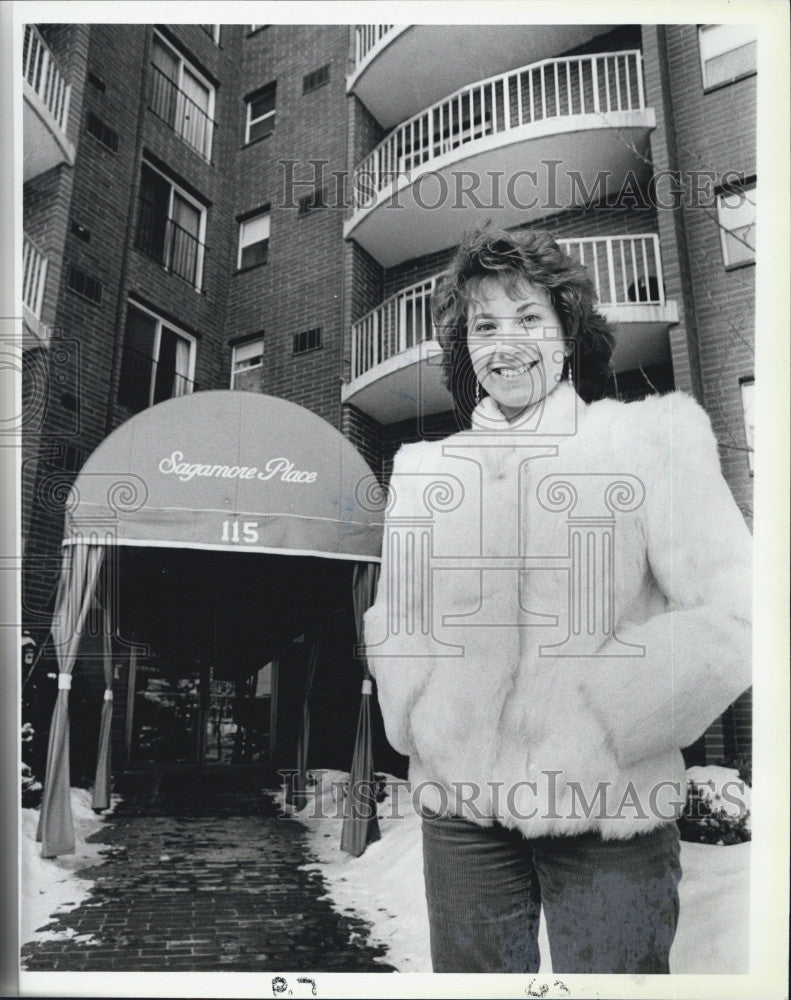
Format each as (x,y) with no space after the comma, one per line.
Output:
(563,605)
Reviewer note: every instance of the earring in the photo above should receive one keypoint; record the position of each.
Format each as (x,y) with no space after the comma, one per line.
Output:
(569,369)
(477,391)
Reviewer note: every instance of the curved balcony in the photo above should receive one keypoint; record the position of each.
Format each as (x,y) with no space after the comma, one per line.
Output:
(385,54)
(34,277)
(46,108)
(395,355)
(520,146)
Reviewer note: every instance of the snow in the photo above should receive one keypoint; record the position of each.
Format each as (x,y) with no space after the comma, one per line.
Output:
(385,885)
(50,885)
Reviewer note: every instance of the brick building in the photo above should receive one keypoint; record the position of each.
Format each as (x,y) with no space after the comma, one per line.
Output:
(266,207)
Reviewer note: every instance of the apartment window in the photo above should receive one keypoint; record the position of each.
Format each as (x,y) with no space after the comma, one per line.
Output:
(246,357)
(158,360)
(84,285)
(171,226)
(253,240)
(316,79)
(307,340)
(748,390)
(106,136)
(736,216)
(261,113)
(181,97)
(728,52)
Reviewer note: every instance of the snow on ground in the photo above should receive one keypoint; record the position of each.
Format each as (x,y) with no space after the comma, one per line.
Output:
(385,886)
(50,885)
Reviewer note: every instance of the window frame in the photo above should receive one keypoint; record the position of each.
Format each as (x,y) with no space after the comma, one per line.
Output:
(249,122)
(214,34)
(256,339)
(202,209)
(160,322)
(707,87)
(183,63)
(243,220)
(749,186)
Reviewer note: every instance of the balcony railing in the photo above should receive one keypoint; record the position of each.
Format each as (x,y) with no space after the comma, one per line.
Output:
(34,275)
(41,71)
(550,89)
(145,382)
(626,270)
(366,36)
(187,119)
(169,244)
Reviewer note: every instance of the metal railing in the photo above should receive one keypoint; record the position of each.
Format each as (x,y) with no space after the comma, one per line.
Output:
(169,244)
(626,270)
(144,382)
(34,276)
(553,88)
(42,72)
(366,36)
(187,119)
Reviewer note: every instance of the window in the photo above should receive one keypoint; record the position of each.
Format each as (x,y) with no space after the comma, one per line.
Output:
(261,113)
(171,226)
(83,284)
(308,340)
(253,240)
(727,52)
(316,79)
(748,389)
(158,360)
(246,357)
(736,216)
(181,97)
(106,136)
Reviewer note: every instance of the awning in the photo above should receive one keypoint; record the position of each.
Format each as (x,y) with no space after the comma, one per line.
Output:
(229,470)
(219,470)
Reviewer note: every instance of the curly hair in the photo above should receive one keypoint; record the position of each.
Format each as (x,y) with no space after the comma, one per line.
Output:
(514,257)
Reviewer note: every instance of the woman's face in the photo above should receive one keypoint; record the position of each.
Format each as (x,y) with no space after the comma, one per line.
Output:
(516,344)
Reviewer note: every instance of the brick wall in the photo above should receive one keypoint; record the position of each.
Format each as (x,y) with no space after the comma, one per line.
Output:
(301,286)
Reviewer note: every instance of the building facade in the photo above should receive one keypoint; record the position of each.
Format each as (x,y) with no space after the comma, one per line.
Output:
(267,208)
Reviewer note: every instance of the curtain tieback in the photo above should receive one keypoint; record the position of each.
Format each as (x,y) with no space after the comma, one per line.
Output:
(108,694)
(64,682)
(367,686)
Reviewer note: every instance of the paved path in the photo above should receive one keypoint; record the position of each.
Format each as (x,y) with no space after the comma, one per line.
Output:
(205,878)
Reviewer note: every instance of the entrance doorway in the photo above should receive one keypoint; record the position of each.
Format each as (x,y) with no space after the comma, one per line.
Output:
(219,659)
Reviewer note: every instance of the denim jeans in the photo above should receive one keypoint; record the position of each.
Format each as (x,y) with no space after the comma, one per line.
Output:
(611,906)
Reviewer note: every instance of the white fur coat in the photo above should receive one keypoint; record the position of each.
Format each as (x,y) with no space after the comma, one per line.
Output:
(562,606)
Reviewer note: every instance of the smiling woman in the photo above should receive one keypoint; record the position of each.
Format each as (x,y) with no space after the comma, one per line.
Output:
(563,605)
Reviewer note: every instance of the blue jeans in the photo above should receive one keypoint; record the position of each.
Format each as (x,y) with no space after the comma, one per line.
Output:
(611,906)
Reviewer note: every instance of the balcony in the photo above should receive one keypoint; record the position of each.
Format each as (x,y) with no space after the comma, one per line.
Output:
(187,118)
(34,277)
(46,108)
(579,124)
(169,244)
(395,355)
(397,71)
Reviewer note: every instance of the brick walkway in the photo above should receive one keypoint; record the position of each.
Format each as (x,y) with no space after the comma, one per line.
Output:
(204,878)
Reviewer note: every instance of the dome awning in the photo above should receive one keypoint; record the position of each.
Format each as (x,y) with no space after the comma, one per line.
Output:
(228,470)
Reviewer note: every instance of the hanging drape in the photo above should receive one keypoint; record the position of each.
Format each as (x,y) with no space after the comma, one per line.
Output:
(101,783)
(79,571)
(296,793)
(360,825)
